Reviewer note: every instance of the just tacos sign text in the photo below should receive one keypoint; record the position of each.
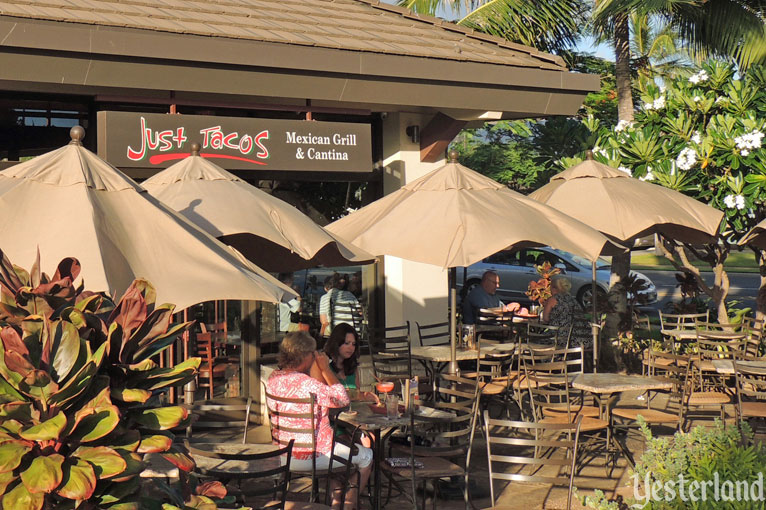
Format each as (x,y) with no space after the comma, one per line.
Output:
(146,140)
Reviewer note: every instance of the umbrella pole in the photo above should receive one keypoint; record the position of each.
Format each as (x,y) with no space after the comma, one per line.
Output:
(594,324)
(190,388)
(452,320)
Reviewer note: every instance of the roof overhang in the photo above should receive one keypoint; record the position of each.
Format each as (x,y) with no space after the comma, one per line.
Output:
(60,57)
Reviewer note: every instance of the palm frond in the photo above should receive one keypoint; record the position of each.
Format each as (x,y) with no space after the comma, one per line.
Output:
(554,25)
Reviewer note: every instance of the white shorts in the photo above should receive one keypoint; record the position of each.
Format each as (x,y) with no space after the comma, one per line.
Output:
(362,459)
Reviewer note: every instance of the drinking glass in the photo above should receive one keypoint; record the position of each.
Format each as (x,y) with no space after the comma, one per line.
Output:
(392,406)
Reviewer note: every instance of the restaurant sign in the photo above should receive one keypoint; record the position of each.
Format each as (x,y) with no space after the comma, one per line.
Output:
(146,140)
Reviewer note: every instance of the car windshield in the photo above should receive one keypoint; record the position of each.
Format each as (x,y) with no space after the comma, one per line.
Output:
(581,261)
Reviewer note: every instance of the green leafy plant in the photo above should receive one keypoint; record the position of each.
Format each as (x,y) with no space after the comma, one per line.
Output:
(540,290)
(79,391)
(705,454)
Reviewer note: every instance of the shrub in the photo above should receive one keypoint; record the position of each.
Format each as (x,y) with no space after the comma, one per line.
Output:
(79,391)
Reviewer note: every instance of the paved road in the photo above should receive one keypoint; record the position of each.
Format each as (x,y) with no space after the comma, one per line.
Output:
(744,287)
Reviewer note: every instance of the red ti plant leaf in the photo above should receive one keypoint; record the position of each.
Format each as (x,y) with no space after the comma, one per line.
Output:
(44,474)
(106,462)
(16,353)
(46,431)
(8,276)
(155,444)
(179,459)
(19,498)
(67,268)
(11,453)
(79,480)
(5,480)
(129,314)
(212,489)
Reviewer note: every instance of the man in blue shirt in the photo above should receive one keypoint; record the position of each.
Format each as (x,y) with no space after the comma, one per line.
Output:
(483,296)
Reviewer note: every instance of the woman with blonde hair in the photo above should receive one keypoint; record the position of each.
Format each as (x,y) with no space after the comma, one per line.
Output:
(563,310)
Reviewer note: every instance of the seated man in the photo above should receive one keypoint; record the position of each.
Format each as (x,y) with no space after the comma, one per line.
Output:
(483,296)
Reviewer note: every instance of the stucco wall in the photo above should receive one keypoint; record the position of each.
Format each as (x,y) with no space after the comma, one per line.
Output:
(414,291)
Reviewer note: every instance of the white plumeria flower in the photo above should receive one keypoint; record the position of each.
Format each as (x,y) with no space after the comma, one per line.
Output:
(739,202)
(748,142)
(696,137)
(649,106)
(721,99)
(686,158)
(625,169)
(728,201)
(648,177)
(659,103)
(699,77)
(623,125)
(697,99)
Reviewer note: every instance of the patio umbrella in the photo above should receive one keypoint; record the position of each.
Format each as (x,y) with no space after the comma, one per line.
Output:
(454,217)
(273,234)
(71,203)
(756,237)
(624,208)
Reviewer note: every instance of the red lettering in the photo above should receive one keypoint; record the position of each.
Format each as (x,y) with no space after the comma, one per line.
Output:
(228,141)
(206,135)
(134,155)
(264,152)
(245,144)
(165,138)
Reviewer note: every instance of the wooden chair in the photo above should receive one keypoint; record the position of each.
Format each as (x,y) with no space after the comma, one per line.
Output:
(754,343)
(683,322)
(341,469)
(700,394)
(212,368)
(284,431)
(715,345)
(660,364)
(513,452)
(264,487)
(447,455)
(227,415)
(751,393)
(350,313)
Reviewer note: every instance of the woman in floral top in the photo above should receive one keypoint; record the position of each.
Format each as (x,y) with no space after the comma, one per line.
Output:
(298,358)
(563,310)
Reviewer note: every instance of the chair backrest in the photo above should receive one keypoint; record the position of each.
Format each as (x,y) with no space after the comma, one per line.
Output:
(289,421)
(539,333)
(682,320)
(391,353)
(268,479)
(754,343)
(711,347)
(219,415)
(433,334)
(751,385)
(512,448)
(674,367)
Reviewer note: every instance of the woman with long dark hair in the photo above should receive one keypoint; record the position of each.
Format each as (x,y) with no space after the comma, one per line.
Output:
(342,347)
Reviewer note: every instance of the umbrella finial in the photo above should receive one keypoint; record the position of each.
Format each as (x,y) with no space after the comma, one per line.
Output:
(589,155)
(77,133)
(453,156)
(195,148)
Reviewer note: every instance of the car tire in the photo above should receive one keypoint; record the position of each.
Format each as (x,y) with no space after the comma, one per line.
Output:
(468,287)
(584,296)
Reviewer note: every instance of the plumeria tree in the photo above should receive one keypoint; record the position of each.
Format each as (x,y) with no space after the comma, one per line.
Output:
(700,134)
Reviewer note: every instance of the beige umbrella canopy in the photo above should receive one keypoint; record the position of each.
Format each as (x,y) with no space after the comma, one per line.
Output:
(273,234)
(624,208)
(70,203)
(453,217)
(756,237)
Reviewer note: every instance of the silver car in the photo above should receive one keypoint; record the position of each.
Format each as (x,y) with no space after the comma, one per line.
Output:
(517,268)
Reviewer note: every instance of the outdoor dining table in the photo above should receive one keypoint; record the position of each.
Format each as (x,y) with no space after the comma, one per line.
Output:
(681,335)
(604,386)
(361,415)
(726,366)
(158,467)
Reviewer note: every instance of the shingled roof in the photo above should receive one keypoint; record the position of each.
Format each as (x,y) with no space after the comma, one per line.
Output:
(360,25)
